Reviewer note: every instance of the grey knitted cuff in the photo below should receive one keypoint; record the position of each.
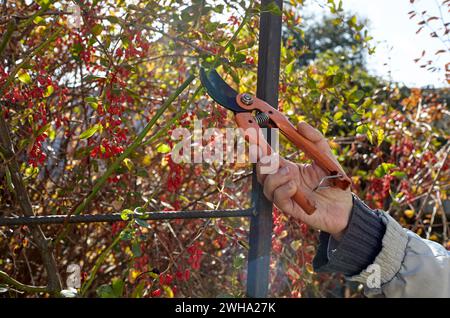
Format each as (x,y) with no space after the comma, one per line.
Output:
(359,246)
(391,256)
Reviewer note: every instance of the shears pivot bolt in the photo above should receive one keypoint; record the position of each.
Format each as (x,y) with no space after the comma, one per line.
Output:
(247,99)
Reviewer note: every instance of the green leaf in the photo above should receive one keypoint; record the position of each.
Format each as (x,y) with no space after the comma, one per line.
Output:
(380,136)
(113,19)
(37,20)
(399,174)
(338,116)
(332,70)
(43,129)
(362,129)
(138,291)
(118,286)
(290,67)
(311,83)
(238,261)
(97,29)
(338,78)
(163,148)
(90,99)
(43,3)
(142,223)
(272,8)
(211,26)
(24,77)
(219,8)
(126,236)
(352,22)
(90,132)
(239,57)
(105,291)
(324,125)
(49,91)
(356,96)
(9,180)
(369,135)
(124,215)
(384,169)
(367,103)
(136,249)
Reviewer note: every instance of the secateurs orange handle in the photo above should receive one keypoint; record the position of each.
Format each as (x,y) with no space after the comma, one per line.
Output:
(243,105)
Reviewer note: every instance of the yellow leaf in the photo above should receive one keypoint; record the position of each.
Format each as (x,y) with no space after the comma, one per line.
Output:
(169,291)
(409,213)
(128,163)
(24,77)
(147,160)
(283,234)
(295,245)
(133,275)
(49,91)
(309,268)
(434,237)
(163,148)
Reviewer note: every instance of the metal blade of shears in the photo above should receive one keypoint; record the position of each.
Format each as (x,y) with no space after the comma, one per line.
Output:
(220,91)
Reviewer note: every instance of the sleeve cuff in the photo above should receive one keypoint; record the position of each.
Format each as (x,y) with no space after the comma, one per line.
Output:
(359,246)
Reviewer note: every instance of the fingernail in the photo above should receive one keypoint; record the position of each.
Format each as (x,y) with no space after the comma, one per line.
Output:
(284,171)
(253,154)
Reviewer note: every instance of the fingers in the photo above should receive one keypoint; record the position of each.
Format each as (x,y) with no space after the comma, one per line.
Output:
(309,132)
(282,197)
(313,135)
(268,165)
(274,181)
(254,152)
(322,144)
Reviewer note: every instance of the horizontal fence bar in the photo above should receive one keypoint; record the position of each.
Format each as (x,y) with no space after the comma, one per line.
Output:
(115,217)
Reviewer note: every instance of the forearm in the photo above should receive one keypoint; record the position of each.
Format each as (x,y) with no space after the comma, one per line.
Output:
(375,244)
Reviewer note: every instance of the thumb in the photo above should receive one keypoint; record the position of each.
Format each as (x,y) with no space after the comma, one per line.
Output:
(310,132)
(313,135)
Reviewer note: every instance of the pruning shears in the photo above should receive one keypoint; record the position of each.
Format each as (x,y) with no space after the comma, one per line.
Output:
(252,112)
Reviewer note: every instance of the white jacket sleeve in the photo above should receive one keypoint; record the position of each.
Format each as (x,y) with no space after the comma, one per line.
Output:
(406,266)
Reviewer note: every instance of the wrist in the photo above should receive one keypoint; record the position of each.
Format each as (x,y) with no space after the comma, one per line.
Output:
(342,225)
(338,236)
(352,250)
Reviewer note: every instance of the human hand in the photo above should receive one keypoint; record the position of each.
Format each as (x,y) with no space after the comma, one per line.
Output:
(333,205)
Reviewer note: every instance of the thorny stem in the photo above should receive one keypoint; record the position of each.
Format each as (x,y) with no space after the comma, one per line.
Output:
(100,261)
(20,191)
(22,287)
(7,35)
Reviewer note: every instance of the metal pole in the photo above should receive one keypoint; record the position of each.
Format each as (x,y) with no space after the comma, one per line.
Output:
(261,225)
